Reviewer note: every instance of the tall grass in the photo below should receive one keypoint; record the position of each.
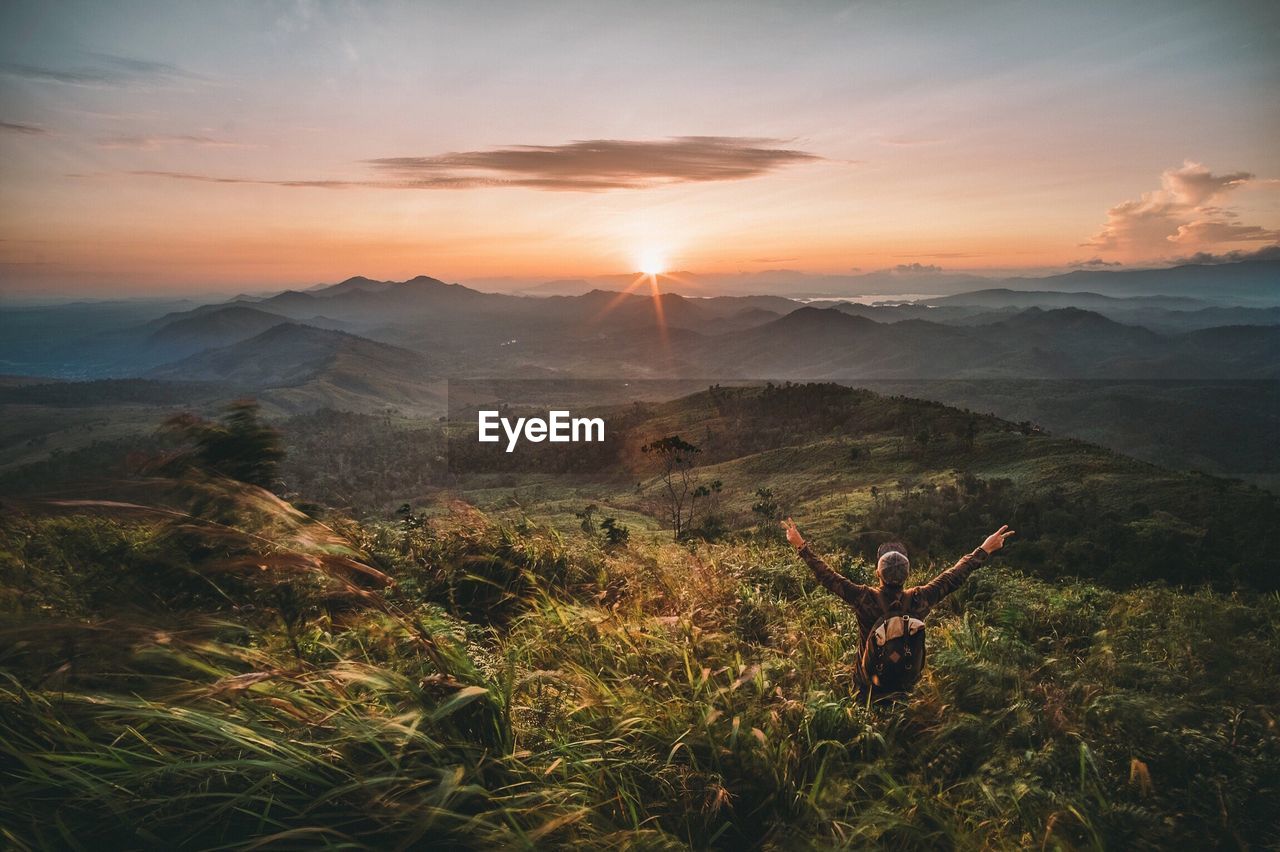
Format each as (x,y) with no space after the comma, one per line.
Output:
(509,687)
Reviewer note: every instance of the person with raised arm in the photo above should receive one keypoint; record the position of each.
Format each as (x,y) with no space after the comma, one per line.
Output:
(891,616)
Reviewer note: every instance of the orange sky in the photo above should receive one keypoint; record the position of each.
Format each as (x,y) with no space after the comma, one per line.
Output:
(171,147)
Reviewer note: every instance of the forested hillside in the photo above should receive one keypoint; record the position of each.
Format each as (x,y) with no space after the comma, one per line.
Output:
(195,660)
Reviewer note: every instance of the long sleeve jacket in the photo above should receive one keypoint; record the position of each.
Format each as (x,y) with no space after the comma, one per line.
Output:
(871,602)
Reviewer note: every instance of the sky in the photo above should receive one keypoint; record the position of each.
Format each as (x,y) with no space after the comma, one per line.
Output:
(178,147)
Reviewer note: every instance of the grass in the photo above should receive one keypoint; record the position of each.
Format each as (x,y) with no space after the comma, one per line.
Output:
(520,687)
(202,665)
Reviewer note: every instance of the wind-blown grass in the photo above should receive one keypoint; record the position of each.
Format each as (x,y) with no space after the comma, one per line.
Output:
(516,687)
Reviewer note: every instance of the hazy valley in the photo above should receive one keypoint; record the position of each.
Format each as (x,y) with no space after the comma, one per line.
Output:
(1190,375)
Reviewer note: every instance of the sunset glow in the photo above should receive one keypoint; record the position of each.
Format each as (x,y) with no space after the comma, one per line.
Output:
(275,149)
(651,264)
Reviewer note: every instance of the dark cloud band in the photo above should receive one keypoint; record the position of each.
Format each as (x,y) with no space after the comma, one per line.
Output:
(608,163)
(24,129)
(585,166)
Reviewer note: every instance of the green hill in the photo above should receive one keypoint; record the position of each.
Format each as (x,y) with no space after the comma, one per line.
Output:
(195,662)
(298,368)
(847,461)
(518,688)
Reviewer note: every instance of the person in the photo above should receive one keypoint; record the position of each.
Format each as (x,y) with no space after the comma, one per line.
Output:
(890,616)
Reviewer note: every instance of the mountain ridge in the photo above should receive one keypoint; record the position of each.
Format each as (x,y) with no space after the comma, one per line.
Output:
(299,368)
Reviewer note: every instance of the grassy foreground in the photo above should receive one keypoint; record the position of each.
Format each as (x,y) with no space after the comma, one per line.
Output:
(466,683)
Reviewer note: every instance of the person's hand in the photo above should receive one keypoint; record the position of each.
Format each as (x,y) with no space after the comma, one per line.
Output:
(995,541)
(793,534)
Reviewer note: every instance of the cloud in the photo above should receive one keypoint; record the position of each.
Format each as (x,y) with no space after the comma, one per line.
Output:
(151,143)
(1093,263)
(103,70)
(1187,209)
(315,184)
(1271,252)
(601,164)
(50,75)
(24,129)
(1209,231)
(916,269)
(1195,185)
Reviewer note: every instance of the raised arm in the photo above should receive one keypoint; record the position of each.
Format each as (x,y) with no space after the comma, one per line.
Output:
(835,582)
(952,578)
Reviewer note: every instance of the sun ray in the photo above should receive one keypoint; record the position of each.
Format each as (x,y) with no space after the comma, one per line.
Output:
(659,312)
(619,298)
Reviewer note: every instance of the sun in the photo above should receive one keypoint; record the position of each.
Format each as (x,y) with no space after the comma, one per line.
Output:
(651,263)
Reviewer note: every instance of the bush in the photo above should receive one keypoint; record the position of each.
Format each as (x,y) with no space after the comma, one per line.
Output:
(519,688)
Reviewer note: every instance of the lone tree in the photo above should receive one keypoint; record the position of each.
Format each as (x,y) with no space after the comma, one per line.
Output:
(766,508)
(588,518)
(615,534)
(239,446)
(712,523)
(676,456)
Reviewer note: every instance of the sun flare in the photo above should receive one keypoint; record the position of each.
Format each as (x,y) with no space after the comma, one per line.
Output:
(651,263)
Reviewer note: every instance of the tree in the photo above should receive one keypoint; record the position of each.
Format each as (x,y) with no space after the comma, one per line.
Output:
(676,457)
(587,517)
(615,534)
(765,508)
(240,446)
(712,523)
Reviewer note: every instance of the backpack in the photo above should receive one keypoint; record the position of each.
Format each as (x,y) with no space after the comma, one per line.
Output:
(893,655)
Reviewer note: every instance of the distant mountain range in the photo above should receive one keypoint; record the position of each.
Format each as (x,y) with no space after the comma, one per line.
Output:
(296,368)
(813,343)
(1246,282)
(1003,297)
(454,330)
(373,346)
(603,334)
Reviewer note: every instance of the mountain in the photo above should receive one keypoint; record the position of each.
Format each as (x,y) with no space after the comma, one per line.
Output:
(79,340)
(898,313)
(463,327)
(907,280)
(200,330)
(560,287)
(355,284)
(1064,343)
(983,307)
(827,449)
(742,320)
(979,335)
(1204,318)
(368,304)
(1002,297)
(297,368)
(1033,324)
(177,335)
(1247,283)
